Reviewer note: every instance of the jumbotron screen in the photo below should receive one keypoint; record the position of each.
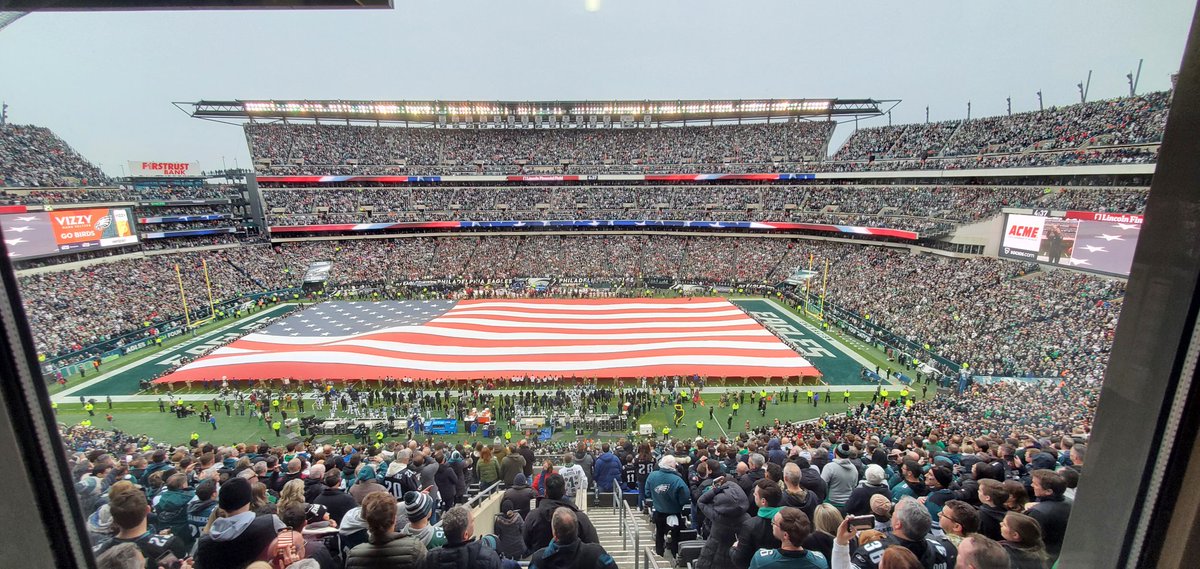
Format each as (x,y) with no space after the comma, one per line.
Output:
(43,233)
(1088,241)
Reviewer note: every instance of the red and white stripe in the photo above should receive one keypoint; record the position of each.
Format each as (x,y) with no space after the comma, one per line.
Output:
(606,338)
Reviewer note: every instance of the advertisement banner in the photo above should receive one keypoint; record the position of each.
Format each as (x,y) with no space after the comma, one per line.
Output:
(1023,232)
(1097,242)
(164,169)
(37,234)
(105,227)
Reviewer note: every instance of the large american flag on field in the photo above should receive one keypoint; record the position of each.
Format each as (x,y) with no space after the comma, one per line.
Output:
(479,339)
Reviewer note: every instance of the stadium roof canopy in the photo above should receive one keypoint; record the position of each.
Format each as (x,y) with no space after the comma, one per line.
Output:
(535,113)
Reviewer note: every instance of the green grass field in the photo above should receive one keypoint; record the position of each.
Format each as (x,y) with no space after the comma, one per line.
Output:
(145,418)
(839,359)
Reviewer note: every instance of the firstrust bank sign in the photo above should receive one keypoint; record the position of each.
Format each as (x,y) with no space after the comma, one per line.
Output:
(163,169)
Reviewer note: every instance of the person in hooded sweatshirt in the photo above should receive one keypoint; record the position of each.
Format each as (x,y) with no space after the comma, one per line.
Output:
(418,508)
(315,483)
(841,475)
(775,452)
(366,483)
(566,551)
(446,481)
(538,533)
(607,469)
(724,505)
(237,539)
(509,526)
(520,494)
(585,461)
(758,531)
(796,495)
(875,482)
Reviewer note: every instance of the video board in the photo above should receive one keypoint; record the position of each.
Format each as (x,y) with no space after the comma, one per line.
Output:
(43,233)
(1088,241)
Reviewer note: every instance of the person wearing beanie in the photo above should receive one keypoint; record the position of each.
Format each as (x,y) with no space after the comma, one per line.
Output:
(520,494)
(509,526)
(418,507)
(238,538)
(875,483)
(881,508)
(841,475)
(938,480)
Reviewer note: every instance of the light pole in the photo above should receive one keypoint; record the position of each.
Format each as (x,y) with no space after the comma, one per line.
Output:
(926,114)
(1040,107)
(1009,99)
(968,110)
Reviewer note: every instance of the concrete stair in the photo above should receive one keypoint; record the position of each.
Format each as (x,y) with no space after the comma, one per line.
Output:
(608,521)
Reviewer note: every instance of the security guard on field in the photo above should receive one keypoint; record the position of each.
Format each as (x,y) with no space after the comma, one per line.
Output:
(699,428)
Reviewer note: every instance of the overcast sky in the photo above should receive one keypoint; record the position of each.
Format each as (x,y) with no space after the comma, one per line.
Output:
(105,81)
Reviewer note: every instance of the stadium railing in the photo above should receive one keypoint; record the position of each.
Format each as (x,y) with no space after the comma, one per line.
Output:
(625,519)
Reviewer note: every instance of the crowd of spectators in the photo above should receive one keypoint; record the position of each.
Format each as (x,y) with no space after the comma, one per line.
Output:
(983,477)
(923,209)
(122,194)
(420,149)
(1002,317)
(33,156)
(1114,122)
(1079,134)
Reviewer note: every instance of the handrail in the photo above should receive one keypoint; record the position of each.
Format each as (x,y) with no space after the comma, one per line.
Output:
(648,558)
(476,499)
(625,517)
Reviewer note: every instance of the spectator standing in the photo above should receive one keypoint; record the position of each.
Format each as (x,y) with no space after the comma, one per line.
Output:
(238,538)
(460,550)
(1051,511)
(385,549)
(791,527)
(538,525)
(669,495)
(566,551)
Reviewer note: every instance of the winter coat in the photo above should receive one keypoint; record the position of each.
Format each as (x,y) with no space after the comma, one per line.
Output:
(447,485)
(510,467)
(667,489)
(573,555)
(488,471)
(361,489)
(807,502)
(537,524)
(337,501)
(606,471)
(585,461)
(756,533)
(724,507)
(172,513)
(391,552)
(811,479)
(510,535)
(472,554)
(1052,514)
(859,503)
(521,496)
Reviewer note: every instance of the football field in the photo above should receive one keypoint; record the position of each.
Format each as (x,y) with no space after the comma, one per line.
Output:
(837,361)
